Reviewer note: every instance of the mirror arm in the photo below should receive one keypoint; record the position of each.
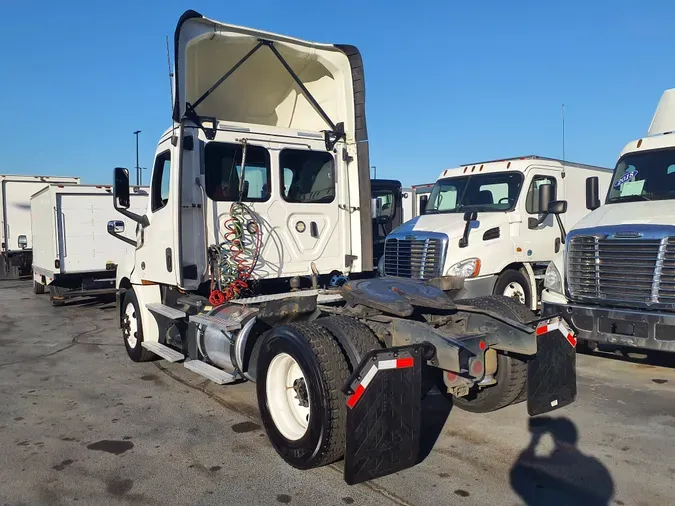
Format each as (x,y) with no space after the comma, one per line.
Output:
(563,234)
(124,239)
(143,220)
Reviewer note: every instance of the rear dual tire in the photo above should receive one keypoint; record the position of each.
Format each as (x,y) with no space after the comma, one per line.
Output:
(511,375)
(305,416)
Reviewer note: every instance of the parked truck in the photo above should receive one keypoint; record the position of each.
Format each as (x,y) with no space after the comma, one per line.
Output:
(415,200)
(73,253)
(260,193)
(16,254)
(489,222)
(615,281)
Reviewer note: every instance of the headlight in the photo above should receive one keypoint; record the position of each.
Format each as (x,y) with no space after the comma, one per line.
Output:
(469,268)
(552,279)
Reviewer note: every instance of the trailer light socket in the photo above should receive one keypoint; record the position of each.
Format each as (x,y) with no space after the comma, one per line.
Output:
(23,241)
(57,264)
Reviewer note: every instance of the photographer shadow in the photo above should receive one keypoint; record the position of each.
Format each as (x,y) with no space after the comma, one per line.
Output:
(565,476)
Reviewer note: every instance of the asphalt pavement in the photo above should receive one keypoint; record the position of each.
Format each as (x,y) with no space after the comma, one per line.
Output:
(82,424)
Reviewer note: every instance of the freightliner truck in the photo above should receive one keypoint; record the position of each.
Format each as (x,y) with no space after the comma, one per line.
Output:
(615,281)
(260,198)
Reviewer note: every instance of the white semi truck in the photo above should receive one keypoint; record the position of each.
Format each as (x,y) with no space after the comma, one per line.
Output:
(260,198)
(615,281)
(73,253)
(489,222)
(16,256)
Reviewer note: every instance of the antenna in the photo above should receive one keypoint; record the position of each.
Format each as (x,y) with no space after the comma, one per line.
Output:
(563,132)
(168,62)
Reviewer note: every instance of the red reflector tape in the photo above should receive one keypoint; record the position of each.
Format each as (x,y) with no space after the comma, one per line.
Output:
(354,398)
(402,363)
(572,340)
(542,330)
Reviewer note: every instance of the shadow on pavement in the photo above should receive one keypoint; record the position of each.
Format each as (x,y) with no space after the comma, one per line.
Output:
(565,476)
(436,408)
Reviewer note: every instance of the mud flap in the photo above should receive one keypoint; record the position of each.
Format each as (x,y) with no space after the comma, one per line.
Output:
(384,396)
(551,375)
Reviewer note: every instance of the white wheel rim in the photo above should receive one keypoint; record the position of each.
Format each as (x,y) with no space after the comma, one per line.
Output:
(516,291)
(284,378)
(132,322)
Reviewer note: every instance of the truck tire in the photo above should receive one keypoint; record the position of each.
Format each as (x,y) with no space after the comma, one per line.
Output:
(38,288)
(514,284)
(359,334)
(300,374)
(55,296)
(132,329)
(511,376)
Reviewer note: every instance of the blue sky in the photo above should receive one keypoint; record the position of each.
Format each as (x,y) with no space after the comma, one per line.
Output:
(447,82)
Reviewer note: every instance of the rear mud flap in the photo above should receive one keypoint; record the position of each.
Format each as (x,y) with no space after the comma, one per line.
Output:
(384,396)
(551,375)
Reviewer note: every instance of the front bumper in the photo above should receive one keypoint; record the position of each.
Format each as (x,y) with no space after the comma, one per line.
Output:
(621,327)
(478,287)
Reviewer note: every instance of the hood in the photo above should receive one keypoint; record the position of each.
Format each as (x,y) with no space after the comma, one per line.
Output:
(237,74)
(451,224)
(657,212)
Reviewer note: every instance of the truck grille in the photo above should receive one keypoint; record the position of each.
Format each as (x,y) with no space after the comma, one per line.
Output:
(420,258)
(622,270)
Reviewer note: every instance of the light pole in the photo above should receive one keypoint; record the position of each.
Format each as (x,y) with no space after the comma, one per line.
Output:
(374,169)
(138,168)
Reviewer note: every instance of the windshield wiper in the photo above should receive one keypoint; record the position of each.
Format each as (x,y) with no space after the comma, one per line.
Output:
(630,198)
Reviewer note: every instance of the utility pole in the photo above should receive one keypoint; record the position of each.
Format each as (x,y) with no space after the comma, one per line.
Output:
(374,169)
(138,168)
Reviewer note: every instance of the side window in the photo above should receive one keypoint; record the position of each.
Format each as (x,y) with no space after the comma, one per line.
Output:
(308,177)
(532,199)
(223,172)
(160,181)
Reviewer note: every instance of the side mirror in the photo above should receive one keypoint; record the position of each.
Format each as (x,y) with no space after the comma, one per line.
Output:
(557,207)
(115,228)
(121,188)
(545,196)
(424,200)
(470,216)
(592,193)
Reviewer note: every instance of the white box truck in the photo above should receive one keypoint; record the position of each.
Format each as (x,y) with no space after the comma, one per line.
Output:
(73,253)
(415,199)
(489,222)
(615,281)
(15,223)
(260,195)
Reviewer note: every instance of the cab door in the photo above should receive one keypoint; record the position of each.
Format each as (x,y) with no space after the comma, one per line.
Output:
(542,242)
(156,252)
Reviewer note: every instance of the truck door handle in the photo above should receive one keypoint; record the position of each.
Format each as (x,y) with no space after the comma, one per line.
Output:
(314,229)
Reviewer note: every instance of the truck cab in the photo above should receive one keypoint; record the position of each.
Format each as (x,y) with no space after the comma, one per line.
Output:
(615,280)
(490,223)
(387,204)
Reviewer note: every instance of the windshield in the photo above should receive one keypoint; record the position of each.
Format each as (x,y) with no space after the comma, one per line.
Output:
(482,192)
(649,175)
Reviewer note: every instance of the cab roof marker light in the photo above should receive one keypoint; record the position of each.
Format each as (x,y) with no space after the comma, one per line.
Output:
(508,165)
(639,143)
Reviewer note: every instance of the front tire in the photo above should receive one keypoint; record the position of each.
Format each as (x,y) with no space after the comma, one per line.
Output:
(511,376)
(301,370)
(514,285)
(132,329)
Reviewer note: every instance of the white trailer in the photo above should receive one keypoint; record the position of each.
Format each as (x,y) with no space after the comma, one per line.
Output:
(260,199)
(488,223)
(15,222)
(73,252)
(415,199)
(615,284)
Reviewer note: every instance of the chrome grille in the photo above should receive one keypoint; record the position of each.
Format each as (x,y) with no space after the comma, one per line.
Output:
(622,270)
(420,258)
